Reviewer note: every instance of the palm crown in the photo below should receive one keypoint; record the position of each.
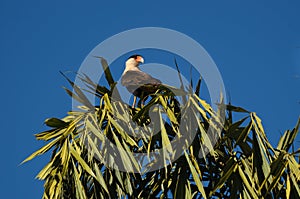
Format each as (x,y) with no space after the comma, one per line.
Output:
(206,154)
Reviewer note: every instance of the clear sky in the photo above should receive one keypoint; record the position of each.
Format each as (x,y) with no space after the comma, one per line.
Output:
(256,46)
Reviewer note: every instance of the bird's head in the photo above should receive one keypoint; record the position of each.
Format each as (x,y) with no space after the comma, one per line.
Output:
(134,60)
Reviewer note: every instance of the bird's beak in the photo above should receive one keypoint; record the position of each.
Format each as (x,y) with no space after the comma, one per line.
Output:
(140,59)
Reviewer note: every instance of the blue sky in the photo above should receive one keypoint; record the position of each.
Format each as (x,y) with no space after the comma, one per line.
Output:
(256,46)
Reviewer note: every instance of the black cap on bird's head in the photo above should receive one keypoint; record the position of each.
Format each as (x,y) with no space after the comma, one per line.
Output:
(137,58)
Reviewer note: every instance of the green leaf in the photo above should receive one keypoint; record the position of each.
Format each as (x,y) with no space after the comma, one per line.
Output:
(80,95)
(179,75)
(180,183)
(294,167)
(170,113)
(84,165)
(195,176)
(42,150)
(248,182)
(120,130)
(107,72)
(242,137)
(73,95)
(278,175)
(197,91)
(48,135)
(65,156)
(288,187)
(94,130)
(232,130)
(295,185)
(229,107)
(99,178)
(124,155)
(231,167)
(79,187)
(288,138)
(260,162)
(166,144)
(45,171)
(188,192)
(55,122)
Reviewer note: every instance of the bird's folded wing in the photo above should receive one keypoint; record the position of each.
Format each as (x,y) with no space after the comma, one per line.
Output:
(138,78)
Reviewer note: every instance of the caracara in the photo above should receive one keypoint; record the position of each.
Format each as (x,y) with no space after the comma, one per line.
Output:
(137,82)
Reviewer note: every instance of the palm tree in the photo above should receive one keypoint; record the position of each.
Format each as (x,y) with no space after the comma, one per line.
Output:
(98,153)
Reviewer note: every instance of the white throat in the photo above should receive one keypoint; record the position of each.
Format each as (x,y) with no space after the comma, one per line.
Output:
(131,65)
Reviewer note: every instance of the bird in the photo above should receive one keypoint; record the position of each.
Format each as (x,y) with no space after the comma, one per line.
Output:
(137,82)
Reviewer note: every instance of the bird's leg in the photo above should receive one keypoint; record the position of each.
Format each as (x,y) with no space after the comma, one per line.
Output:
(134,101)
(142,99)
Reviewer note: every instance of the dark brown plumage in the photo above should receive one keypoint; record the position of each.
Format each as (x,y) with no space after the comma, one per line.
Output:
(139,83)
